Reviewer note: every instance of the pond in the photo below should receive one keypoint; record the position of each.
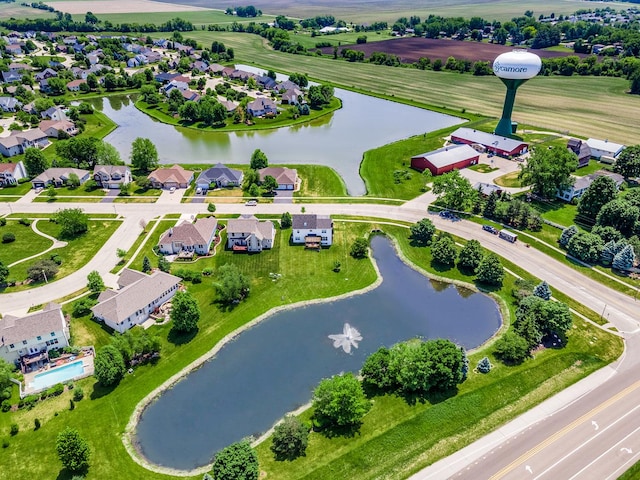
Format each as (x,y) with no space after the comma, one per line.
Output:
(272,368)
(337,140)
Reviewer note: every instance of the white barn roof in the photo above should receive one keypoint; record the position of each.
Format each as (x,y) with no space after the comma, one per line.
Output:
(488,139)
(605,146)
(449,155)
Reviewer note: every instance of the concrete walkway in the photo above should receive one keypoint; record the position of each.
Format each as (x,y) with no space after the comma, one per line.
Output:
(56,244)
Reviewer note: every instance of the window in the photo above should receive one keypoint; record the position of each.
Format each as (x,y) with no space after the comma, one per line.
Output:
(12,346)
(39,338)
(53,334)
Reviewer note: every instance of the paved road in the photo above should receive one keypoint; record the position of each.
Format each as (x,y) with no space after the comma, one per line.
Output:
(550,441)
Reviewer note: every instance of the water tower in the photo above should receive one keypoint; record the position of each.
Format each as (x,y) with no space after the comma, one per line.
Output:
(514,68)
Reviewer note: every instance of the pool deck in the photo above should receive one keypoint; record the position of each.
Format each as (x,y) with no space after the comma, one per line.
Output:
(87,363)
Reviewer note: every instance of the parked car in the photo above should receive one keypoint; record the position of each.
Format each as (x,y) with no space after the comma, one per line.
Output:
(445,214)
(198,191)
(490,229)
(172,189)
(251,203)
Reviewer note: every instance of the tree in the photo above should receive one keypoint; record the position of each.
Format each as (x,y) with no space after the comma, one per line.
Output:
(72,221)
(567,234)
(375,370)
(340,401)
(238,461)
(163,264)
(490,207)
(51,192)
(185,312)
(610,250)
(83,151)
(34,161)
(359,248)
(42,270)
(73,181)
(556,317)
(258,160)
(285,220)
(542,290)
(110,82)
(490,271)
(444,251)
(607,233)
(92,81)
(628,162)
(189,111)
(512,348)
(95,282)
(107,154)
(232,285)
(470,256)
(484,365)
(624,260)
(601,191)
(109,365)
(620,215)
(144,156)
(586,247)
(422,231)
(290,439)
(4,273)
(454,190)
(73,450)
(548,170)
(146,264)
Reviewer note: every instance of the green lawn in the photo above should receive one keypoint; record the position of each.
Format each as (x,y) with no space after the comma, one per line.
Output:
(199,17)
(27,243)
(154,238)
(509,180)
(67,194)
(593,166)
(77,252)
(15,191)
(319,181)
(483,168)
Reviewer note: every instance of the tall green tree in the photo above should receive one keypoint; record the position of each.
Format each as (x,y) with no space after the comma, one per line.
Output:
(548,170)
(238,461)
(146,264)
(72,221)
(232,285)
(444,251)
(601,191)
(490,271)
(269,184)
(258,160)
(620,215)
(4,273)
(470,256)
(586,247)
(34,161)
(144,156)
(290,439)
(73,450)
(95,282)
(454,190)
(422,231)
(340,401)
(286,221)
(109,365)
(511,348)
(628,162)
(185,312)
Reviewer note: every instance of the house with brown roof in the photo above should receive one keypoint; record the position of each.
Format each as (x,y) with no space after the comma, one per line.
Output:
(111,176)
(248,234)
(29,338)
(138,297)
(53,128)
(10,173)
(312,230)
(18,141)
(261,107)
(59,176)
(175,176)
(189,237)
(287,178)
(74,85)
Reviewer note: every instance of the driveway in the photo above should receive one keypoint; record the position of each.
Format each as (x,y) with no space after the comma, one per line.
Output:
(111,195)
(167,197)
(503,165)
(283,196)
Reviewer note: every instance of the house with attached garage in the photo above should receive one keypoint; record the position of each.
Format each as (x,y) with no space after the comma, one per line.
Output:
(314,231)
(59,176)
(248,234)
(53,128)
(287,178)
(189,237)
(138,296)
(18,141)
(171,177)
(262,107)
(10,104)
(26,340)
(219,176)
(10,173)
(111,176)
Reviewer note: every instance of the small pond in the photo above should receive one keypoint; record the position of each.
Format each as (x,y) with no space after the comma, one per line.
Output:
(337,140)
(272,368)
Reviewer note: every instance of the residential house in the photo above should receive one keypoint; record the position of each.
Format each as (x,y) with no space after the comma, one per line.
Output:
(165,77)
(287,85)
(74,85)
(229,105)
(262,107)
(59,176)
(292,96)
(248,234)
(28,339)
(54,113)
(445,159)
(166,89)
(10,173)
(138,297)
(19,67)
(189,237)
(111,176)
(10,77)
(44,85)
(53,128)
(216,68)
(18,141)
(503,146)
(267,82)
(80,73)
(227,71)
(200,66)
(13,49)
(581,184)
(581,149)
(312,230)
(175,176)
(10,104)
(70,40)
(12,89)
(604,149)
(45,74)
(486,189)
(190,96)
(287,178)
(219,176)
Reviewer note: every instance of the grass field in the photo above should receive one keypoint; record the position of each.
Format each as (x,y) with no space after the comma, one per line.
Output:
(27,243)
(556,103)
(200,17)
(15,10)
(318,180)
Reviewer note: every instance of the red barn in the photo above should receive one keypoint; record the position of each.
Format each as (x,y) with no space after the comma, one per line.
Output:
(503,146)
(445,159)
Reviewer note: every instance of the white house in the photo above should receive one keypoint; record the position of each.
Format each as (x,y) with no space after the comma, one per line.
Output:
(581,184)
(250,235)
(59,176)
(312,230)
(604,148)
(111,176)
(138,297)
(29,338)
(18,141)
(10,173)
(189,237)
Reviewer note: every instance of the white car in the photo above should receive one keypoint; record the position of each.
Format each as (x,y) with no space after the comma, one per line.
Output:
(251,203)
(172,189)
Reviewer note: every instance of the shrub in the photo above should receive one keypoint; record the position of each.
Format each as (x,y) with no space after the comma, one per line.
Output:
(78,394)
(24,221)
(5,443)
(82,307)
(290,439)
(8,237)
(359,248)
(211,208)
(484,365)
(6,405)
(14,429)
(3,222)
(36,424)
(55,258)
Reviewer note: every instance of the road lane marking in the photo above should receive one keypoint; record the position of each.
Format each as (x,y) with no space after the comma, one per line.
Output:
(561,433)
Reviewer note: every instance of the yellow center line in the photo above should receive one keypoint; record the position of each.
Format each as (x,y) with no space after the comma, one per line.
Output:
(561,433)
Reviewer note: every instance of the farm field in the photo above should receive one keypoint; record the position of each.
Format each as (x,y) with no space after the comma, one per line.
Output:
(383,10)
(411,49)
(130,6)
(15,10)
(585,106)
(198,17)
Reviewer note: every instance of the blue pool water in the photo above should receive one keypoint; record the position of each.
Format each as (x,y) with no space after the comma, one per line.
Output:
(57,375)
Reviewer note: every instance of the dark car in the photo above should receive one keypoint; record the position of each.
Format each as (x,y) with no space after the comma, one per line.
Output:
(445,214)
(490,229)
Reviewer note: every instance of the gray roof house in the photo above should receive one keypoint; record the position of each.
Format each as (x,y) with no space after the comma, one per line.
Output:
(219,176)
(249,235)
(111,176)
(10,104)
(139,296)
(261,107)
(59,176)
(189,238)
(18,141)
(581,184)
(29,338)
(312,230)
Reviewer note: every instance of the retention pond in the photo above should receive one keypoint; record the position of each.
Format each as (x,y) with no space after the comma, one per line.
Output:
(272,368)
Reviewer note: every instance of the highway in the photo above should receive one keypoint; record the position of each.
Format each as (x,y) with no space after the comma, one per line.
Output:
(591,430)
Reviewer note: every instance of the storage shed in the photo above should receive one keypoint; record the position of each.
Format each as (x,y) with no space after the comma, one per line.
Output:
(445,159)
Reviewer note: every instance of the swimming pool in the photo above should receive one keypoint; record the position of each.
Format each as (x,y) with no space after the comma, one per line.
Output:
(57,375)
